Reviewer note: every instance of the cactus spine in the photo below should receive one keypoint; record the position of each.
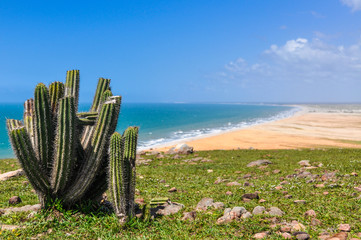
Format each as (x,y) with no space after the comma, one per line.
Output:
(122,171)
(49,146)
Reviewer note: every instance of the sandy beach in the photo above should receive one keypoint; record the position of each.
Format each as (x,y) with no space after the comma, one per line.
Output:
(312,127)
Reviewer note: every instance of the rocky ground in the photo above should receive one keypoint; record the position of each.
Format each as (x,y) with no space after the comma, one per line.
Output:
(243,194)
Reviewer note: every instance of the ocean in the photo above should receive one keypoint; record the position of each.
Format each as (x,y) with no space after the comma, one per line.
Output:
(162,123)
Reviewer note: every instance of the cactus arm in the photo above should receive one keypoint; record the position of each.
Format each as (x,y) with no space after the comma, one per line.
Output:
(130,138)
(24,152)
(29,119)
(43,127)
(72,86)
(65,145)
(116,185)
(56,92)
(90,168)
(103,85)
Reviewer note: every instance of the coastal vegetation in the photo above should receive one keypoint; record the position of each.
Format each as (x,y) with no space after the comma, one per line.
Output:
(328,184)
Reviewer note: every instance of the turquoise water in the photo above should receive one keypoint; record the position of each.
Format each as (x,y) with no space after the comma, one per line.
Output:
(165,122)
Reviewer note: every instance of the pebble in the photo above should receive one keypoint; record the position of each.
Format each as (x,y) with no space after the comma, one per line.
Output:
(300,201)
(14,200)
(258,210)
(250,195)
(229,193)
(173,189)
(260,235)
(275,211)
(310,213)
(189,216)
(233,184)
(344,227)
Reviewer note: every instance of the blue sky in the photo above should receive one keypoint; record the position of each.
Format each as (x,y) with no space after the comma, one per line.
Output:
(186,51)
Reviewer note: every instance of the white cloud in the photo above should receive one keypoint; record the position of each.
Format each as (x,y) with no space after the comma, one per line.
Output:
(301,65)
(355,5)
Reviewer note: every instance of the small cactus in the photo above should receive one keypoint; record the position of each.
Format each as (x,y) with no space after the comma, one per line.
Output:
(122,171)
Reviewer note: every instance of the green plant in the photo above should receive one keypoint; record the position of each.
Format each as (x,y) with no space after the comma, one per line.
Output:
(122,171)
(64,153)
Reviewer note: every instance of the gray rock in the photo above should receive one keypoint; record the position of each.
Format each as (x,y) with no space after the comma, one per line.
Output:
(183,149)
(170,208)
(9,227)
(301,235)
(247,215)
(259,163)
(204,204)
(258,210)
(218,205)
(26,208)
(8,175)
(189,216)
(275,211)
(227,210)
(304,163)
(238,211)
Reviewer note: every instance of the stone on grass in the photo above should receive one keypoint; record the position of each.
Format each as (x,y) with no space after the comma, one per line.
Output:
(286,235)
(250,196)
(8,227)
(260,235)
(259,163)
(296,226)
(275,211)
(300,201)
(315,222)
(258,210)
(183,149)
(189,216)
(14,200)
(304,163)
(247,215)
(8,175)
(301,235)
(173,189)
(169,208)
(233,184)
(344,227)
(338,236)
(25,208)
(310,213)
(218,205)
(229,193)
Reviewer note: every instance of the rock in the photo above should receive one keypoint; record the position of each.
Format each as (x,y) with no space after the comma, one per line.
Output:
(320,185)
(300,201)
(173,189)
(325,193)
(229,193)
(276,171)
(26,208)
(301,235)
(210,170)
(233,184)
(258,210)
(304,175)
(286,228)
(204,204)
(219,180)
(296,226)
(248,175)
(338,236)
(315,222)
(14,200)
(189,216)
(218,205)
(183,149)
(169,208)
(8,227)
(247,184)
(288,196)
(162,181)
(246,215)
(260,235)
(310,213)
(237,211)
(328,176)
(250,196)
(344,227)
(286,235)
(354,174)
(262,200)
(259,163)
(278,187)
(357,189)
(304,163)
(8,175)
(275,211)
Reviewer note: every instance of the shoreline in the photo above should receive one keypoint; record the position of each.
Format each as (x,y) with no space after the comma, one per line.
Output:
(297,109)
(310,127)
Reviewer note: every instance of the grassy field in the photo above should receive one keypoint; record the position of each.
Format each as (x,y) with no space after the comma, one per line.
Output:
(194,182)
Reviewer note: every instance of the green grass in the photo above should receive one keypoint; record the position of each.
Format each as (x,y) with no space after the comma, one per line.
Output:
(193,183)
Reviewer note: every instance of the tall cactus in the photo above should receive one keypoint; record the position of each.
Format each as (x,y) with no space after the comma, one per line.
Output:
(122,171)
(49,143)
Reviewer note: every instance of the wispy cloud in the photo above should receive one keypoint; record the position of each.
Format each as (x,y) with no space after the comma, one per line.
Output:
(355,5)
(301,65)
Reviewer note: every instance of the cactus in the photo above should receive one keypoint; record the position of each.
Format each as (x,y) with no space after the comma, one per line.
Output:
(64,153)
(122,171)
